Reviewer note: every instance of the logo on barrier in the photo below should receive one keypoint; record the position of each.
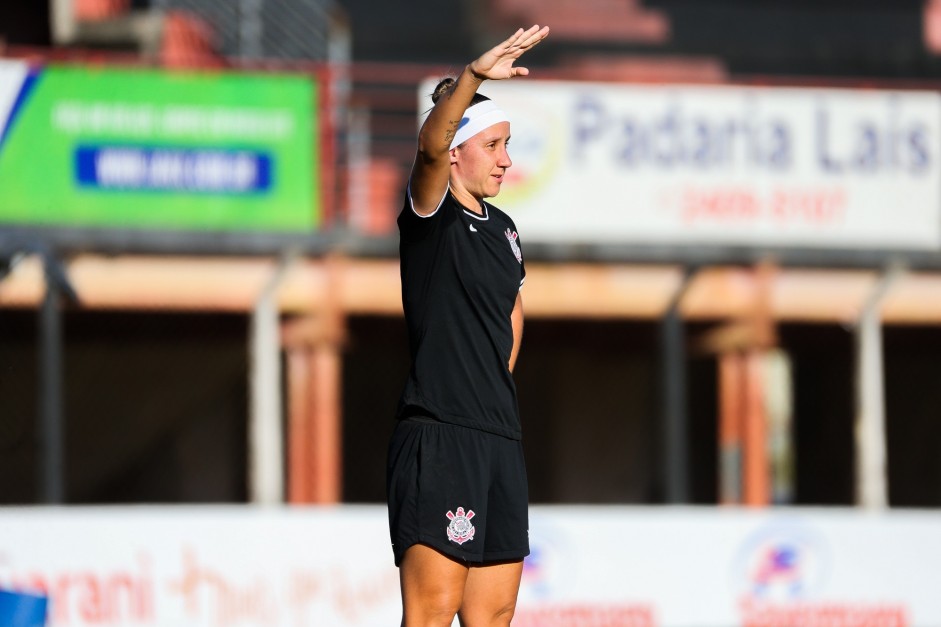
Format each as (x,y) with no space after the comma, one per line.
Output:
(538,148)
(781,575)
(550,567)
(782,562)
(460,529)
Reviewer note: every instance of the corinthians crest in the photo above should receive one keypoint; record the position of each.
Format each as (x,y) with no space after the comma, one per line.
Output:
(512,235)
(460,529)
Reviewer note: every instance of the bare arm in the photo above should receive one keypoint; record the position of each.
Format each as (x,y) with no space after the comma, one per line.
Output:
(432,168)
(516,319)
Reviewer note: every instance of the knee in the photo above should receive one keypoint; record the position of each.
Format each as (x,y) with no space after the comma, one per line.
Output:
(504,614)
(431,609)
(488,616)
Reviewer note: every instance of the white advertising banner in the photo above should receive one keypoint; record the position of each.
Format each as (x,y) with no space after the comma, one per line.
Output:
(725,165)
(590,567)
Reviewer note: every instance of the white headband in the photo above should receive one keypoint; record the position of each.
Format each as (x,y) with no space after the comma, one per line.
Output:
(477,118)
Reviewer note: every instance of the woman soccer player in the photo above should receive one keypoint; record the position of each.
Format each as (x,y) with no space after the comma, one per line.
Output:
(457,489)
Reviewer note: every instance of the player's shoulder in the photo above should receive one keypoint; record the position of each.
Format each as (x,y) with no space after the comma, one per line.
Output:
(498,215)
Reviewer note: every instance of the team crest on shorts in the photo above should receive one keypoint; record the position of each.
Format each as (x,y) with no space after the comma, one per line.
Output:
(460,529)
(512,235)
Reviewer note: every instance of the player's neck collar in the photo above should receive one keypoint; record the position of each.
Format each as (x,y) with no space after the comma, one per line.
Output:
(478,216)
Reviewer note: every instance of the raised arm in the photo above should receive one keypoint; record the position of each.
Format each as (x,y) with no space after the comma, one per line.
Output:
(430,173)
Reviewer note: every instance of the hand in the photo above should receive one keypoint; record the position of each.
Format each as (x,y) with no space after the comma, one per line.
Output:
(497,63)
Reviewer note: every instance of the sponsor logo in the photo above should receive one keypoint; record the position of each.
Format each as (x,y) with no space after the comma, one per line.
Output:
(473,230)
(783,561)
(780,575)
(548,569)
(538,149)
(173,169)
(460,529)
(549,577)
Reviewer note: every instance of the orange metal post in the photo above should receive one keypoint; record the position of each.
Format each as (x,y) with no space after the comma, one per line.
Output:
(744,472)
(299,471)
(314,381)
(730,427)
(325,442)
(756,471)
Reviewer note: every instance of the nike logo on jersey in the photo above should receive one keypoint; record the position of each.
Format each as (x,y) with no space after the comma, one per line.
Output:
(473,230)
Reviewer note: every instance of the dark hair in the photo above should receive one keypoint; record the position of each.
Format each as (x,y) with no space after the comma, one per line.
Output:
(446,84)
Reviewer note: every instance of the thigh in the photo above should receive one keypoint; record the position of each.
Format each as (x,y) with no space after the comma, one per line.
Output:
(490,593)
(432,586)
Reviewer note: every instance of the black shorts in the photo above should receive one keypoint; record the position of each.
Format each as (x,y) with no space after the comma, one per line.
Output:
(458,490)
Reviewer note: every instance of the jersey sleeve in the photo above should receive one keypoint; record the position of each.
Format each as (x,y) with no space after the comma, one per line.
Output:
(413,225)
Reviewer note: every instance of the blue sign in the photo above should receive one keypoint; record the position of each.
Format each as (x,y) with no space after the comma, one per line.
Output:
(173,169)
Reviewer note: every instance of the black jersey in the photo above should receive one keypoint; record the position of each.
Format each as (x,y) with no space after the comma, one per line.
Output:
(461,273)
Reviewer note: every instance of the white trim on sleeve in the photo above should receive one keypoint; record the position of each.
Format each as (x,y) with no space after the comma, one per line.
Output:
(408,190)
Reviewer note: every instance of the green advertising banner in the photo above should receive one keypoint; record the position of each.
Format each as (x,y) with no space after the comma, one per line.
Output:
(148,149)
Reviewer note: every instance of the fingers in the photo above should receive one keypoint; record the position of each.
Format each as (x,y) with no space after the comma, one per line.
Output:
(508,44)
(523,40)
(512,39)
(497,63)
(532,36)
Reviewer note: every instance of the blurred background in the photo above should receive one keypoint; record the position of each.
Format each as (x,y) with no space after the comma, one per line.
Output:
(730,213)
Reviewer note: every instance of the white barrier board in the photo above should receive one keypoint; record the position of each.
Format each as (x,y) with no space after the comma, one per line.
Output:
(590,566)
(721,165)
